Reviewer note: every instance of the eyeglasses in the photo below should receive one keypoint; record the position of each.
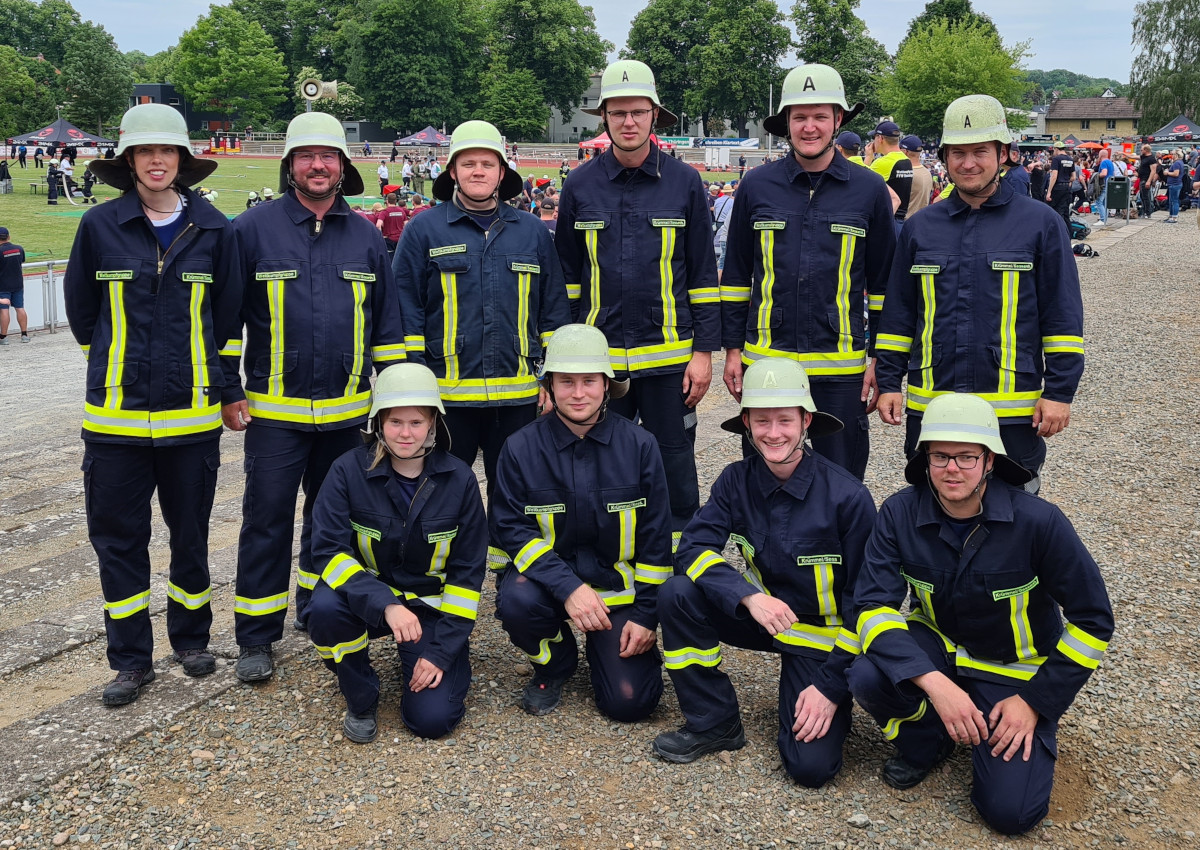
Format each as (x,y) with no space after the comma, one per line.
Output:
(619,115)
(941,461)
(308,158)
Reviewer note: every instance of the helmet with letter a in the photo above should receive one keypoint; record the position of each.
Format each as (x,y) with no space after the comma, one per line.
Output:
(810,85)
(777,382)
(974,118)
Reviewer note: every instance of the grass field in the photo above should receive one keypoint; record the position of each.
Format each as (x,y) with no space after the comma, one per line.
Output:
(46,232)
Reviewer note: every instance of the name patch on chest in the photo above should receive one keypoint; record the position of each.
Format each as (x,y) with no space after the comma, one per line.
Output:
(284,274)
(925,270)
(812,560)
(545,509)
(438,536)
(919,585)
(1000,595)
(362,529)
(194,277)
(743,543)
(447,249)
(617,507)
(118,275)
(770,225)
(668,222)
(530,268)
(361,277)
(1000,266)
(590,225)
(847,229)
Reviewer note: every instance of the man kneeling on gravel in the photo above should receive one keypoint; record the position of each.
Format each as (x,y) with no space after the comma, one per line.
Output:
(801,523)
(988,565)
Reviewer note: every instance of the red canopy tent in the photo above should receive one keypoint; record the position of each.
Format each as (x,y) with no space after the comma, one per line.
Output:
(602,142)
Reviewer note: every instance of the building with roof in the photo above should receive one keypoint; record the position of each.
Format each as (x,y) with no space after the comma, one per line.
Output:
(1092,119)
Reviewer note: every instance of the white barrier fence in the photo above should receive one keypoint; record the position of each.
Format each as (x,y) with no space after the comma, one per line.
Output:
(44,295)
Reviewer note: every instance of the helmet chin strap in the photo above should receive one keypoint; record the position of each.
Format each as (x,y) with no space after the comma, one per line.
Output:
(989,188)
(426,448)
(598,416)
(799,448)
(324,196)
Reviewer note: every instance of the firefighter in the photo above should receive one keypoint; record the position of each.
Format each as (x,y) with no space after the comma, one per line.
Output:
(400,542)
(153,290)
(984,298)
(481,291)
(581,503)
(321,313)
(801,523)
(809,236)
(984,657)
(635,237)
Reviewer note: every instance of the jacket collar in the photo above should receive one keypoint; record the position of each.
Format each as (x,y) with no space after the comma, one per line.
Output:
(997,504)
(299,213)
(839,168)
(651,166)
(199,211)
(563,436)
(456,213)
(1001,197)
(435,462)
(797,486)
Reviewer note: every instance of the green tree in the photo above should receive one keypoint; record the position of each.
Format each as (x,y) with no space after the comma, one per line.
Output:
(663,35)
(229,65)
(513,101)
(1165,78)
(17,85)
(943,62)
(44,28)
(304,31)
(96,76)
(415,62)
(958,12)
(38,110)
(555,39)
(829,32)
(347,106)
(740,60)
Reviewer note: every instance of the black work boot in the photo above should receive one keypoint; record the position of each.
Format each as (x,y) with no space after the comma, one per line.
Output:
(542,695)
(361,728)
(686,746)
(254,663)
(125,688)
(899,773)
(196,662)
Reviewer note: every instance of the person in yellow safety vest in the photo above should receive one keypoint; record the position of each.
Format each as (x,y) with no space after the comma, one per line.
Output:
(321,314)
(983,659)
(153,290)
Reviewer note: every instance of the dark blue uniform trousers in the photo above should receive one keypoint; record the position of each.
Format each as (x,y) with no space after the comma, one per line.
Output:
(849,448)
(656,401)
(707,698)
(1011,796)
(279,461)
(430,713)
(626,689)
(118,482)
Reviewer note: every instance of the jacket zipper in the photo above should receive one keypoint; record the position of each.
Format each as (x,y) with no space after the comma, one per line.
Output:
(162,258)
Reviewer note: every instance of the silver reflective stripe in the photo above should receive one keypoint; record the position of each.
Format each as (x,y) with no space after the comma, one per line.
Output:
(808,637)
(191,601)
(949,428)
(1082,648)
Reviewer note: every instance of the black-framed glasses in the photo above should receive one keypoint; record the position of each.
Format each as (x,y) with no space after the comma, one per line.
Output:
(619,115)
(941,461)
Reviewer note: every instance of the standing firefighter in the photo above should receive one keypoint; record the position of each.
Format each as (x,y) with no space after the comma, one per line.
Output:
(153,290)
(801,523)
(984,297)
(984,658)
(811,237)
(321,313)
(581,503)
(635,237)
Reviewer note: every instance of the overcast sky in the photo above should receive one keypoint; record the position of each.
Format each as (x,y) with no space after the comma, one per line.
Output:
(1092,39)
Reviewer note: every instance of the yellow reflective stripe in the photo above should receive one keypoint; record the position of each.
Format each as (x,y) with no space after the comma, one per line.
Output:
(1005,404)
(1023,670)
(275,290)
(524,280)
(929,296)
(677,659)
(306,579)
(703,561)
(260,606)
(918,617)
(123,608)
(1081,647)
(357,341)
(450,324)
(86,349)
(874,303)
(892,728)
(309,411)
(845,263)
(848,641)
(826,601)
(497,559)
(398,351)
(767,248)
(627,530)
(591,239)
(437,561)
(624,596)
(233,348)
(676,536)
(114,393)
(1018,617)
(1010,282)
(543,653)
(651,574)
(650,356)
(815,362)
(339,651)
(666,276)
(460,601)
(875,621)
(734,294)
(530,552)
(414,343)
(340,569)
(488,389)
(366,548)
(199,352)
(152,424)
(706,295)
(925,597)
(574,290)
(813,637)
(191,601)
(1062,345)
(894,342)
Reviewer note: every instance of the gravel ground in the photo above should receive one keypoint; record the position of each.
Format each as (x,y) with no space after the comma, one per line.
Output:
(233,766)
